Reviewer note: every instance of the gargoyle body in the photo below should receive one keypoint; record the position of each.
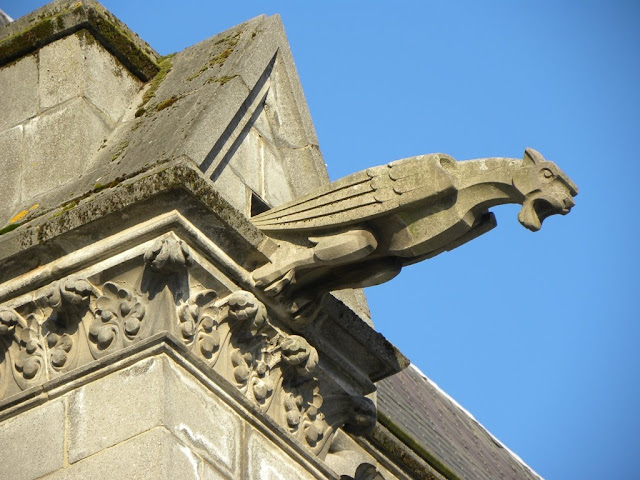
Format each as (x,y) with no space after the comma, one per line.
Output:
(362,229)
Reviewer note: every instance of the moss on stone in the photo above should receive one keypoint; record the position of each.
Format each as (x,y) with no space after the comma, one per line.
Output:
(52,25)
(8,228)
(221,80)
(28,39)
(230,42)
(168,102)
(121,147)
(118,40)
(198,73)
(165,64)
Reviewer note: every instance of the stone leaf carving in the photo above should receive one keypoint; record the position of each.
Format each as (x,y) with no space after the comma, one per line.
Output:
(198,325)
(69,301)
(73,322)
(168,254)
(275,370)
(234,336)
(23,348)
(118,319)
(361,230)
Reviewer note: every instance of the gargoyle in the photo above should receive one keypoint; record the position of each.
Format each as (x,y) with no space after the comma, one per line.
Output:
(362,229)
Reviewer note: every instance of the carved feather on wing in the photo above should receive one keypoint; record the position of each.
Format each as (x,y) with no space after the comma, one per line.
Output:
(361,196)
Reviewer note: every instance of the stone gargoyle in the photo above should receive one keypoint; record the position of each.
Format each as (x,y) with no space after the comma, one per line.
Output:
(362,229)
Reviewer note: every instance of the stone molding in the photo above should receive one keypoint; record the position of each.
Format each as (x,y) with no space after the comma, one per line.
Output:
(164,286)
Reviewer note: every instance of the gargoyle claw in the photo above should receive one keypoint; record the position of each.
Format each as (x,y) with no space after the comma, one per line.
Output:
(276,287)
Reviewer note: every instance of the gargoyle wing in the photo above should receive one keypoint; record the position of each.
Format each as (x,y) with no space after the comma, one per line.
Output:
(363,195)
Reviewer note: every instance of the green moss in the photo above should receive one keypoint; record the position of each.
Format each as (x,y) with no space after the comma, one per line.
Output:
(221,80)
(28,39)
(114,35)
(69,205)
(198,73)
(9,228)
(218,59)
(165,64)
(121,146)
(118,40)
(167,103)
(98,187)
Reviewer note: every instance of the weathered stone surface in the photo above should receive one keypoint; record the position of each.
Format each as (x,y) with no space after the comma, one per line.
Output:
(19,87)
(119,406)
(266,461)
(202,421)
(362,229)
(59,145)
(152,455)
(209,473)
(11,161)
(62,71)
(232,187)
(33,443)
(78,65)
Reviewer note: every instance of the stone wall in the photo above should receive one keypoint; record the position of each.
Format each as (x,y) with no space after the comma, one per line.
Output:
(149,418)
(58,107)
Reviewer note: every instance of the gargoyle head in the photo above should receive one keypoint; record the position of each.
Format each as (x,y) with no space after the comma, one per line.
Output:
(545,188)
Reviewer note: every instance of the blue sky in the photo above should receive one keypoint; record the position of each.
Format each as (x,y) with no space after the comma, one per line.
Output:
(535,333)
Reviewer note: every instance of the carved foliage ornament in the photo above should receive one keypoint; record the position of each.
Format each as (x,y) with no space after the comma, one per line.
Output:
(75,321)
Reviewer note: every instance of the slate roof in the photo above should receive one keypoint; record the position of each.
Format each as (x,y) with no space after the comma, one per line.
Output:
(411,405)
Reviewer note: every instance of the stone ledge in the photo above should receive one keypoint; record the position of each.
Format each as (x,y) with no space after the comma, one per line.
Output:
(64,17)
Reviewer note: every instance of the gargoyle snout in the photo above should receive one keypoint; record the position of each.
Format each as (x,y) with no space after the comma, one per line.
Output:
(568,203)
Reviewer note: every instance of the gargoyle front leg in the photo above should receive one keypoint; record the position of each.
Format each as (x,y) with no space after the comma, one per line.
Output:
(336,249)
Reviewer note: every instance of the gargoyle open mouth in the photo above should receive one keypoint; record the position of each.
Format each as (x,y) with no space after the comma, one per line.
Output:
(536,208)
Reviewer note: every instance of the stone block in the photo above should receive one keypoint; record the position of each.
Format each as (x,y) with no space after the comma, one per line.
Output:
(115,408)
(153,455)
(202,421)
(109,85)
(232,188)
(246,161)
(62,71)
(276,185)
(19,92)
(33,442)
(77,65)
(11,161)
(60,144)
(266,461)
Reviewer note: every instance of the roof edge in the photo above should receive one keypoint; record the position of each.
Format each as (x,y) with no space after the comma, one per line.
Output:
(470,415)
(65,17)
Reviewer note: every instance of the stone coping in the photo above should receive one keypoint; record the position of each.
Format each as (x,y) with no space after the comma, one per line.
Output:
(64,17)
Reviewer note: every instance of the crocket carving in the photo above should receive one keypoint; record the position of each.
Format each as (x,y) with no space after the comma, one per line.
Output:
(362,229)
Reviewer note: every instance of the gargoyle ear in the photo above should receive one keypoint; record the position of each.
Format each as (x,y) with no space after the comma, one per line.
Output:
(532,157)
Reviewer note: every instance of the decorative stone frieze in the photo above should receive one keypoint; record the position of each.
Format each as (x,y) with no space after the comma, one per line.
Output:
(83,318)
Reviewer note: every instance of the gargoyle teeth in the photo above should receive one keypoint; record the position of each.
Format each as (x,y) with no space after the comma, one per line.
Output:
(536,209)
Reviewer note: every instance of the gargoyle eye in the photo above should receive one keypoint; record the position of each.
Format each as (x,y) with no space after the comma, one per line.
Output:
(547,173)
